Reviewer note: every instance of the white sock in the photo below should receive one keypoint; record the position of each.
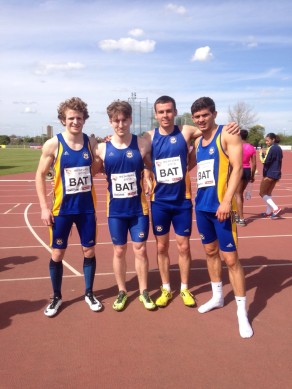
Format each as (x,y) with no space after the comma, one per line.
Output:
(217,300)
(245,329)
(269,210)
(166,286)
(270,202)
(183,286)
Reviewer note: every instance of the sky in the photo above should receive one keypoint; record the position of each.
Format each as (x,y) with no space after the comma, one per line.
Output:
(104,50)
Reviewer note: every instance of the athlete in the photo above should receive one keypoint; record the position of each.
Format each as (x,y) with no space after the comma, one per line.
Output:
(124,156)
(272,165)
(171,201)
(249,165)
(70,154)
(219,170)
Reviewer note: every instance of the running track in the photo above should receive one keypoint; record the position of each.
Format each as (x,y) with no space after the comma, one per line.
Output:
(175,347)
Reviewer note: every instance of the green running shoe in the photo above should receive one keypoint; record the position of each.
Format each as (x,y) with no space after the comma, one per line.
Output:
(146,300)
(120,301)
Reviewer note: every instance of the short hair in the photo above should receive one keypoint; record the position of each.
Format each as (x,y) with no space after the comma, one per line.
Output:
(76,104)
(119,107)
(203,103)
(164,100)
(244,134)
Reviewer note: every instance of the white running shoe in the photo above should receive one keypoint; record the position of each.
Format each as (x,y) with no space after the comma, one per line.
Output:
(92,301)
(52,308)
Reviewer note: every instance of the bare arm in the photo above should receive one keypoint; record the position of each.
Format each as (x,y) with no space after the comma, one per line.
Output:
(144,144)
(192,160)
(253,166)
(46,160)
(233,147)
(192,132)
(98,154)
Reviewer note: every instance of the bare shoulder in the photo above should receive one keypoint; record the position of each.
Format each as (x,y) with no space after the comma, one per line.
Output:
(99,150)
(144,142)
(50,146)
(231,144)
(147,136)
(229,137)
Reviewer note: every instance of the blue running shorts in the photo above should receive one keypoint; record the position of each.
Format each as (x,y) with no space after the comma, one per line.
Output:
(60,230)
(178,214)
(138,226)
(210,229)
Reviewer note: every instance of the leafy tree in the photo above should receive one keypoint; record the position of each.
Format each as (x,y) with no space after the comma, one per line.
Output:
(185,118)
(4,140)
(256,135)
(28,139)
(242,114)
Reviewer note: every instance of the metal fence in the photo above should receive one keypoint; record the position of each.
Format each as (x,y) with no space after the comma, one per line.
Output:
(142,114)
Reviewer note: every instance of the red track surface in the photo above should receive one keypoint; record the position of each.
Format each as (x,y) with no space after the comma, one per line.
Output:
(175,347)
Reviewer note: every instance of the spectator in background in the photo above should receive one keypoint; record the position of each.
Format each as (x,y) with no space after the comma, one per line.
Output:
(272,161)
(249,169)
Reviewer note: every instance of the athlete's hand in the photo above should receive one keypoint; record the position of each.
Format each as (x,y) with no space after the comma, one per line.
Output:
(47,217)
(148,186)
(107,138)
(223,211)
(233,128)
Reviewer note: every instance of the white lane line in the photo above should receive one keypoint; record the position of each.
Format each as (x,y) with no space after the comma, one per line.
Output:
(44,244)
(148,241)
(150,271)
(16,205)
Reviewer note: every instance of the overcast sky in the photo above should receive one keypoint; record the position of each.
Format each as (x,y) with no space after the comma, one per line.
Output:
(103,50)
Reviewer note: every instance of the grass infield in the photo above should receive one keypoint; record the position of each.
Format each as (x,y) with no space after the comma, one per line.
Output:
(14,161)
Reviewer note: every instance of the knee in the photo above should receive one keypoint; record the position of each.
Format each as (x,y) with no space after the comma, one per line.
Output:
(162,249)
(88,252)
(120,251)
(184,248)
(212,253)
(233,264)
(140,250)
(58,255)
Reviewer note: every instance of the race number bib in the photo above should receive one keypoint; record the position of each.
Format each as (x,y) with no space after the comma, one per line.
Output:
(205,173)
(77,179)
(168,170)
(124,185)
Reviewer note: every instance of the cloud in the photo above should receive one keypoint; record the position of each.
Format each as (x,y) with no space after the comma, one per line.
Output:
(29,110)
(24,102)
(46,68)
(128,44)
(178,9)
(251,42)
(202,54)
(136,32)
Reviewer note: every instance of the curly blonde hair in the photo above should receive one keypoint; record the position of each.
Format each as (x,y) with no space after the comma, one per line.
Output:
(76,104)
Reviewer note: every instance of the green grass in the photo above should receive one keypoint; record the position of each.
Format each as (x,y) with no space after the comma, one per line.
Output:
(14,161)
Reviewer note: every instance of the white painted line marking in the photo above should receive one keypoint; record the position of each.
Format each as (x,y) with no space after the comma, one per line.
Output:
(43,243)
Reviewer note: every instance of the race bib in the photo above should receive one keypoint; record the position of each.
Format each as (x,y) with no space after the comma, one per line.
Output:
(205,173)
(77,179)
(124,185)
(168,170)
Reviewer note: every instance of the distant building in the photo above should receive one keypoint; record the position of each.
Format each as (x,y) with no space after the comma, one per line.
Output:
(49,132)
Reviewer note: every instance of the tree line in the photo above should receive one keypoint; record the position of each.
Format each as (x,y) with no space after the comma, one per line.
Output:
(241,113)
